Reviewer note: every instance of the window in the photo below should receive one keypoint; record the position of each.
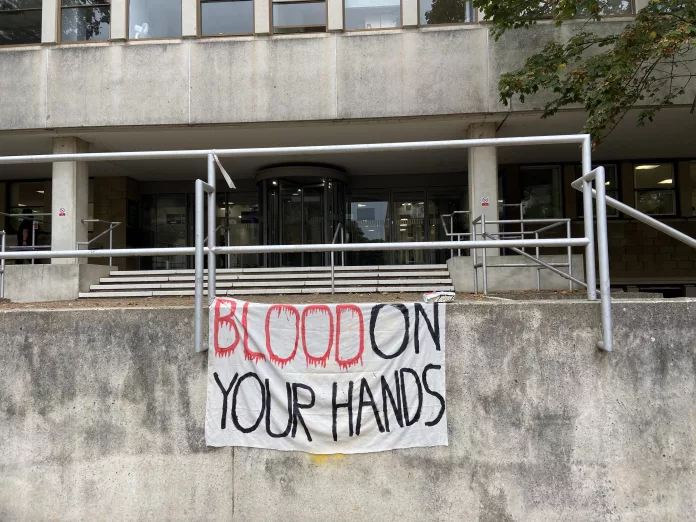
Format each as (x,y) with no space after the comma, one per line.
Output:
(612,8)
(154,19)
(372,14)
(611,187)
(299,16)
(541,192)
(84,20)
(20,22)
(445,12)
(654,188)
(227,17)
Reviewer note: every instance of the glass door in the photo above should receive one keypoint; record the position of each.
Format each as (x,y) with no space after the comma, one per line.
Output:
(409,225)
(170,229)
(313,213)
(368,221)
(291,220)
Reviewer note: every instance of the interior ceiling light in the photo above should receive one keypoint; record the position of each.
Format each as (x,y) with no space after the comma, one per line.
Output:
(40,191)
(647,167)
(665,182)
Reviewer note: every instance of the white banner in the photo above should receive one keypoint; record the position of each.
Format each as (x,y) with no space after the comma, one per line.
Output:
(339,378)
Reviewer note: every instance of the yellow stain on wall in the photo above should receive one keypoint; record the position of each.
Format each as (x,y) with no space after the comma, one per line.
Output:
(322,459)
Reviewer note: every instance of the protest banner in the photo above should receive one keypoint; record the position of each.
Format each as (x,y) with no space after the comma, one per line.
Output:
(340,378)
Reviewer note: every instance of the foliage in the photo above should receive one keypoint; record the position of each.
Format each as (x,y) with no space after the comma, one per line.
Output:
(645,65)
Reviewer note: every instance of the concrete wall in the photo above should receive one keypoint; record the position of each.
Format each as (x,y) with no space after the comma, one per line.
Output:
(438,70)
(101,416)
(44,282)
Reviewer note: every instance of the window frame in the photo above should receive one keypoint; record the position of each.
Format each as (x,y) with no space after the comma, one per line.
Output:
(40,9)
(674,189)
(272,25)
(449,24)
(199,28)
(400,26)
(59,23)
(128,36)
(578,201)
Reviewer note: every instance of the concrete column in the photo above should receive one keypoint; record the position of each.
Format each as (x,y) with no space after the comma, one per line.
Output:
(483,178)
(334,13)
(50,11)
(70,199)
(409,11)
(119,19)
(262,16)
(189,18)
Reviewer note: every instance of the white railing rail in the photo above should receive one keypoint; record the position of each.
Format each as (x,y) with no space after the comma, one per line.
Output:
(112,226)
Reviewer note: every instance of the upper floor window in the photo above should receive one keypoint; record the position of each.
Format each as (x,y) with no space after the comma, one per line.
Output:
(83,20)
(20,22)
(445,12)
(220,17)
(372,14)
(154,19)
(655,188)
(299,16)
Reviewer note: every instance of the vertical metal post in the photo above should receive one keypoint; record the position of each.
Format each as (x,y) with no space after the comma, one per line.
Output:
(33,238)
(111,242)
(198,280)
(2,265)
(522,230)
(333,290)
(603,250)
(211,230)
(536,236)
(343,242)
(475,255)
(571,287)
(591,277)
(483,260)
(227,240)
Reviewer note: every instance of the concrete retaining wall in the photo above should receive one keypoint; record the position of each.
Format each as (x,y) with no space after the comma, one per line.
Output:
(44,282)
(101,417)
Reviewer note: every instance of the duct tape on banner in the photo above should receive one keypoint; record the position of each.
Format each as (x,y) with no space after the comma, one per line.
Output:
(227,177)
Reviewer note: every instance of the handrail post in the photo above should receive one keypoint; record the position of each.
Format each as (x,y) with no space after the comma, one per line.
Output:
(475,256)
(2,265)
(590,275)
(211,228)
(483,259)
(570,257)
(603,250)
(333,289)
(33,237)
(536,236)
(198,279)
(111,242)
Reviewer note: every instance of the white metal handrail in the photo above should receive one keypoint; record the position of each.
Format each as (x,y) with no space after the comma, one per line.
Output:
(456,236)
(339,228)
(112,226)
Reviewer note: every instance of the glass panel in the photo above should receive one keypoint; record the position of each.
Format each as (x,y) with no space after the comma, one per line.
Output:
(171,227)
(445,12)
(313,217)
(654,176)
(541,192)
(441,203)
(20,27)
(299,15)
(235,17)
(244,228)
(27,198)
(12,5)
(367,221)
(154,19)
(611,186)
(79,24)
(612,8)
(656,202)
(290,221)
(372,14)
(409,225)
(75,3)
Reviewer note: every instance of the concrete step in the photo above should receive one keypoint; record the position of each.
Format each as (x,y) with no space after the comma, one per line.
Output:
(220,271)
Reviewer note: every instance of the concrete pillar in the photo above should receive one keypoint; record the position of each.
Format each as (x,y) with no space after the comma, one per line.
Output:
(334,13)
(483,178)
(262,16)
(50,11)
(119,19)
(409,10)
(70,199)
(189,18)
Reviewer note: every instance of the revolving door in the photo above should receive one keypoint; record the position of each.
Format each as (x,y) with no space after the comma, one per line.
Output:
(300,205)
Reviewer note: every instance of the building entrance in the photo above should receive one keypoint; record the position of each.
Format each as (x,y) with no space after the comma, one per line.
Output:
(300,205)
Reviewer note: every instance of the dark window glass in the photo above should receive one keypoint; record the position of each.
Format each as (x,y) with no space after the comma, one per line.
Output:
(20,22)
(541,192)
(655,188)
(446,12)
(611,187)
(84,20)
(299,17)
(373,14)
(227,17)
(154,19)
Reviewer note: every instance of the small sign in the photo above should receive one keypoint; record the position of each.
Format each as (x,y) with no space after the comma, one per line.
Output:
(61,212)
(484,201)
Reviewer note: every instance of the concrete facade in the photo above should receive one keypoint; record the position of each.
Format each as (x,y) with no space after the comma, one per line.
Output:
(51,282)
(101,415)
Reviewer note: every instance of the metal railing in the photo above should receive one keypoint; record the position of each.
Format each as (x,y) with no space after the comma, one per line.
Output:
(209,188)
(35,222)
(339,228)
(450,233)
(537,262)
(2,264)
(112,226)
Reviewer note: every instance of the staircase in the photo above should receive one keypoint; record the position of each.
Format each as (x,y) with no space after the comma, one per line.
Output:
(257,281)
